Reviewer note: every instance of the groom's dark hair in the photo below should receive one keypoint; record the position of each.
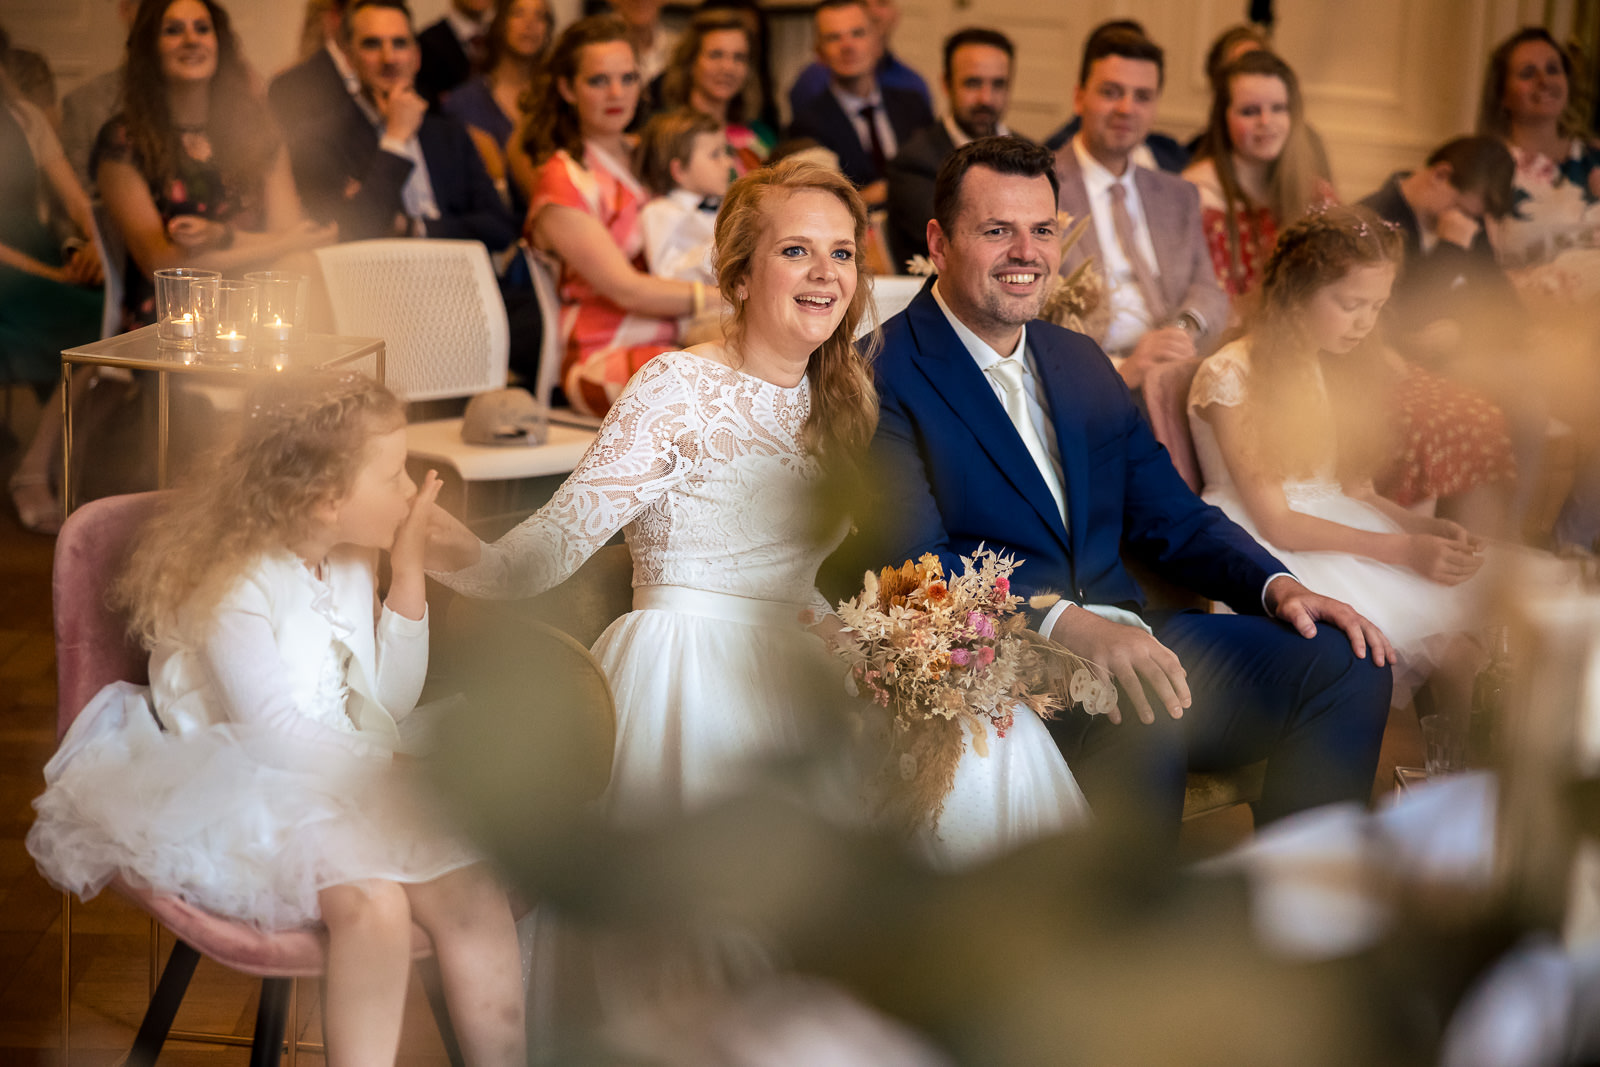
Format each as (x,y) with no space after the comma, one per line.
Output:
(1007,155)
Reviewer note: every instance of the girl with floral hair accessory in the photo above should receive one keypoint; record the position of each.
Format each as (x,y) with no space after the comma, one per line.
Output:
(254,775)
(1288,440)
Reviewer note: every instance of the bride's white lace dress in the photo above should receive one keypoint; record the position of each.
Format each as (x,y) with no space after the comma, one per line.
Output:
(1418,616)
(703,469)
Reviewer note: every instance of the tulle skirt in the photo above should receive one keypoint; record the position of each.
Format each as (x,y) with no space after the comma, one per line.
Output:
(226,817)
(1419,616)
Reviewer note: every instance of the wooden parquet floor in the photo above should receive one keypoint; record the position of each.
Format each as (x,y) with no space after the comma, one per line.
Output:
(110,938)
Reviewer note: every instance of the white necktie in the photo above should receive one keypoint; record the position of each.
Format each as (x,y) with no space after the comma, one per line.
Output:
(1008,372)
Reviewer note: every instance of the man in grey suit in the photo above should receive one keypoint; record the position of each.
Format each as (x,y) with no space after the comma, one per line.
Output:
(1164,301)
(977,83)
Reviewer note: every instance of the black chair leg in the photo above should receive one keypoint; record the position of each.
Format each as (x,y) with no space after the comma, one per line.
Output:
(433,985)
(163,1006)
(272,1018)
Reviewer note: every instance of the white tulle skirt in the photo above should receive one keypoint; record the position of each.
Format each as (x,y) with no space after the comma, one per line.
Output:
(1420,617)
(710,689)
(224,817)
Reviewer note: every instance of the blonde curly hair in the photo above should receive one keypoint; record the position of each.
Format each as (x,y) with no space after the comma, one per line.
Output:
(300,446)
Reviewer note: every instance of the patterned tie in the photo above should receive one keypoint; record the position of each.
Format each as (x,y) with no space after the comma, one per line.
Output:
(1122,222)
(1008,372)
(869,115)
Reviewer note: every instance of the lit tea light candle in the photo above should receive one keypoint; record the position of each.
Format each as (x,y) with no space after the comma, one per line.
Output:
(181,325)
(232,341)
(276,331)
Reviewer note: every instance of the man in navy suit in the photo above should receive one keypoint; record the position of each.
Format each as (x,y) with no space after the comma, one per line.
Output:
(859,119)
(378,163)
(1000,429)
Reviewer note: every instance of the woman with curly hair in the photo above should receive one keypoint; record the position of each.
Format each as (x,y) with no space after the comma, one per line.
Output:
(192,171)
(583,210)
(710,71)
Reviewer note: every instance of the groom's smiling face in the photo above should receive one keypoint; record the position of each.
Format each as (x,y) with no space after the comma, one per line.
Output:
(998,259)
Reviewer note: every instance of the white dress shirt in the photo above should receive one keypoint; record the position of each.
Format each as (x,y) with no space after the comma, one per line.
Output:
(416,196)
(958,136)
(1130,317)
(678,235)
(985,356)
(852,105)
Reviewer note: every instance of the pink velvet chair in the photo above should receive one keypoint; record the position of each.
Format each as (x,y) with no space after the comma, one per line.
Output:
(1166,396)
(93,650)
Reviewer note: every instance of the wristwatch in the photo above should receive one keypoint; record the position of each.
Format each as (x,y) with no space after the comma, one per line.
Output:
(1189,323)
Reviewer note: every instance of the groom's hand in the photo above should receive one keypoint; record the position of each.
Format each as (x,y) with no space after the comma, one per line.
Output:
(1302,609)
(1134,658)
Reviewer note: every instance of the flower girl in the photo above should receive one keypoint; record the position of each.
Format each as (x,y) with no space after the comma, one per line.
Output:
(254,777)
(1288,436)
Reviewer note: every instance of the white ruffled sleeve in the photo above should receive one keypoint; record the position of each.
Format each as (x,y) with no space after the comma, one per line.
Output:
(649,442)
(1220,380)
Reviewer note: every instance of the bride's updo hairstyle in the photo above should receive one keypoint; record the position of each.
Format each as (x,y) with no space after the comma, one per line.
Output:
(300,444)
(1291,423)
(844,403)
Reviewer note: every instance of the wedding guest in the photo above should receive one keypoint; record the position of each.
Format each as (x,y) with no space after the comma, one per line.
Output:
(50,296)
(1285,428)
(1255,169)
(683,160)
(453,49)
(386,167)
(757,23)
(88,107)
(978,66)
(858,117)
(652,41)
(1163,299)
(710,72)
(191,170)
(492,105)
(1526,102)
(1546,241)
(1157,151)
(583,209)
(974,390)
(34,82)
(322,81)
(892,72)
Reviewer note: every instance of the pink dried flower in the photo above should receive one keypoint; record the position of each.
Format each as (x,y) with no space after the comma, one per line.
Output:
(985,657)
(980,623)
(960,657)
(1003,586)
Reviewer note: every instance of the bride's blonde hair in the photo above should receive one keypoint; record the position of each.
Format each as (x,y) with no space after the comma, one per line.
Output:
(301,443)
(844,402)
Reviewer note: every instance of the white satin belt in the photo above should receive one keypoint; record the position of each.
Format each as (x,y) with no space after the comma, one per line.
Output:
(726,606)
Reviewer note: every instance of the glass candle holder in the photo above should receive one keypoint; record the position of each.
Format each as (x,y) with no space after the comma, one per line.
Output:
(224,312)
(176,328)
(280,310)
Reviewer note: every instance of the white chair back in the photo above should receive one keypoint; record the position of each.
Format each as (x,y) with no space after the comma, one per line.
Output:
(550,345)
(435,303)
(114,261)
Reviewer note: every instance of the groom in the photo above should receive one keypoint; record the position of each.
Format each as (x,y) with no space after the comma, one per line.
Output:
(1000,429)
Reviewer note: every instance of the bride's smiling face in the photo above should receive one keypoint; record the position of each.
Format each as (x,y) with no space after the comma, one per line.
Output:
(1341,314)
(803,273)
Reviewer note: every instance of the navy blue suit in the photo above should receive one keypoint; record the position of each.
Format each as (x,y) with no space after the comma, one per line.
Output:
(344,176)
(954,473)
(825,122)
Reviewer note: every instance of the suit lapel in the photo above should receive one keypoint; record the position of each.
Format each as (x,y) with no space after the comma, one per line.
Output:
(951,370)
(1067,418)
(1075,202)
(855,159)
(1163,217)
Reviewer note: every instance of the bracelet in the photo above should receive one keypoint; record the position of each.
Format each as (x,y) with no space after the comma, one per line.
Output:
(697,299)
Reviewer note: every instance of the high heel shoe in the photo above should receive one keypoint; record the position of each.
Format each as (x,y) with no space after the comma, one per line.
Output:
(37,509)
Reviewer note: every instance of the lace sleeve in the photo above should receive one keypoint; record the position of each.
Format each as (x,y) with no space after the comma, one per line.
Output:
(649,442)
(1220,380)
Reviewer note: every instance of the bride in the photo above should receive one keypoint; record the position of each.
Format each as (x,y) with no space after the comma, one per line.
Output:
(713,462)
